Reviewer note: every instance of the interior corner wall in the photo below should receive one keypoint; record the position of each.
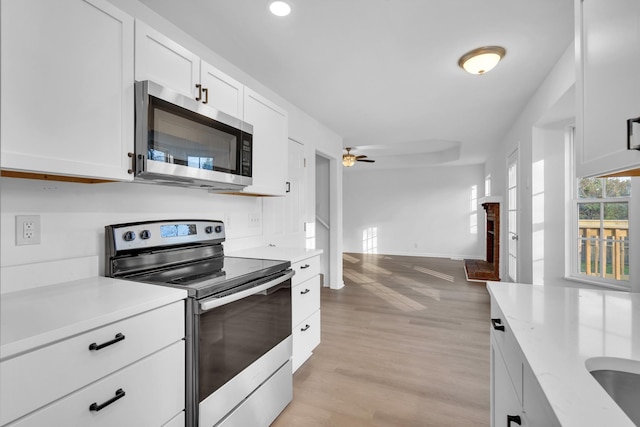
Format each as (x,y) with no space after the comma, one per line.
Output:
(549,205)
(520,136)
(416,211)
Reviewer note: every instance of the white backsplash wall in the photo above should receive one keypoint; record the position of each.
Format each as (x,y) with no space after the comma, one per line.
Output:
(73,215)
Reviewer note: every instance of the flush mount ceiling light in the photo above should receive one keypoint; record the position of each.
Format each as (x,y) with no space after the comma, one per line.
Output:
(482,59)
(280,8)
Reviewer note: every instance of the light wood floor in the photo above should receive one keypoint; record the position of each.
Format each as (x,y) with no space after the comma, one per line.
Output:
(404,343)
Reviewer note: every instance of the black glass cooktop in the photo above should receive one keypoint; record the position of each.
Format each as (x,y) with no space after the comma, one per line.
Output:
(212,276)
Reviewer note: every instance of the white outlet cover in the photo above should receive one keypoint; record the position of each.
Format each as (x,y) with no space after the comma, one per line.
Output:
(27,230)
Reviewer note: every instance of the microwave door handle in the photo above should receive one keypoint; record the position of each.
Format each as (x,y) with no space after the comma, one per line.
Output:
(211,303)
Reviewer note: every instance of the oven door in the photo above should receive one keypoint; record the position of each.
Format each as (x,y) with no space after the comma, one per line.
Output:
(243,338)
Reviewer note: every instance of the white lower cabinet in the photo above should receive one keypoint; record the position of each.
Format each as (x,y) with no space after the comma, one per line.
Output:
(146,393)
(305,314)
(133,370)
(516,395)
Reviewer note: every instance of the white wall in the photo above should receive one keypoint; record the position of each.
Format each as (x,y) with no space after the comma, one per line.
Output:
(74,215)
(550,186)
(559,81)
(417,211)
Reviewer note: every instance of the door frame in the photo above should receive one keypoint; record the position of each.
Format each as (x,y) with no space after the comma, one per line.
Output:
(512,158)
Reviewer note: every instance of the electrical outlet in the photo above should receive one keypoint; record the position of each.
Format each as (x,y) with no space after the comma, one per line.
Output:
(254,219)
(27,230)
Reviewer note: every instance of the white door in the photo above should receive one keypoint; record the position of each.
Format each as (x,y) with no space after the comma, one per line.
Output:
(512,217)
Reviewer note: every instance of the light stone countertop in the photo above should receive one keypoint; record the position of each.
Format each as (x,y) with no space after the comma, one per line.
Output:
(558,330)
(36,317)
(277,253)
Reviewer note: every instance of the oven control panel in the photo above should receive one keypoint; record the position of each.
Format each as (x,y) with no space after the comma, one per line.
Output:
(149,234)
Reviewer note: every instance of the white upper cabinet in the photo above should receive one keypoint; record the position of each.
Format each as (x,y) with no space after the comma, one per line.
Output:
(225,94)
(608,85)
(167,63)
(270,130)
(66,88)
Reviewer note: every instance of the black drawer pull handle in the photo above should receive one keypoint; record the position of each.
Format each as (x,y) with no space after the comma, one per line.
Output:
(119,395)
(304,266)
(306,291)
(497,324)
(118,337)
(513,418)
(305,328)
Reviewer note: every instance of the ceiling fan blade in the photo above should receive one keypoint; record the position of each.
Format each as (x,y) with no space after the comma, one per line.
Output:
(361,156)
(363,160)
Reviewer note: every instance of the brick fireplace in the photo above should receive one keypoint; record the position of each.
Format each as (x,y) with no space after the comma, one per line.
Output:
(489,268)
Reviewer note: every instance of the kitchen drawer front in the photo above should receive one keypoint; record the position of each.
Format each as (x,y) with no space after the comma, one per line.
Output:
(305,299)
(508,347)
(34,379)
(306,337)
(153,394)
(305,269)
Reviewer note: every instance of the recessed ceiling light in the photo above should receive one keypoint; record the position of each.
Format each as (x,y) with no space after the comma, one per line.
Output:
(280,8)
(482,59)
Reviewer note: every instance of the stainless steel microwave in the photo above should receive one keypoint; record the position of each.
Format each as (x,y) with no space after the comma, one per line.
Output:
(184,142)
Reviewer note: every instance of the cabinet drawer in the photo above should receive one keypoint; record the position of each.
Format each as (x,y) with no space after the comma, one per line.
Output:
(507,346)
(305,269)
(306,337)
(34,379)
(305,299)
(153,394)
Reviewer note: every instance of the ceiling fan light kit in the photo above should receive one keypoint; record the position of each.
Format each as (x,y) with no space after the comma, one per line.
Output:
(349,159)
(482,59)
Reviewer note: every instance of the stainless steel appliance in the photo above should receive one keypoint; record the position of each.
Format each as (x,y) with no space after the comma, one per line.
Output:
(238,324)
(181,141)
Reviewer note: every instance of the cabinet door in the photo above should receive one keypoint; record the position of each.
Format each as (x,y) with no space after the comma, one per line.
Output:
(270,129)
(165,62)
(67,88)
(504,401)
(536,407)
(609,84)
(224,93)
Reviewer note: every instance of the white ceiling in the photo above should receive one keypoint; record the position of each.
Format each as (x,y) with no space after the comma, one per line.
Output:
(383,73)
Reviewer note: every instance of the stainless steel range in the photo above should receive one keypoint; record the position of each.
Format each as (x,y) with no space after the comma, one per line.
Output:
(238,324)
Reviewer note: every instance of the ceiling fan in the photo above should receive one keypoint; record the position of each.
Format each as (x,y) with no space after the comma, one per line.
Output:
(349,159)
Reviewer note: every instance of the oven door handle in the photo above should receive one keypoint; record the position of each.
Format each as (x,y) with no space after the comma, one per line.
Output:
(210,303)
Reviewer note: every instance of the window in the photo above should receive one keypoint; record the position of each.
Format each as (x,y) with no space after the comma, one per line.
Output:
(602,213)
(487,185)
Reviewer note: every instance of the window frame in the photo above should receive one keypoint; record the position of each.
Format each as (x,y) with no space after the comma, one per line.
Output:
(573,270)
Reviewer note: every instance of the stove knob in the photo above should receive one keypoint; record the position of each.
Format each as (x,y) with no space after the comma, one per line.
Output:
(218,229)
(128,236)
(145,234)
(208,229)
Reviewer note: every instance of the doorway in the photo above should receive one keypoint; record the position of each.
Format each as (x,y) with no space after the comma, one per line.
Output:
(323,215)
